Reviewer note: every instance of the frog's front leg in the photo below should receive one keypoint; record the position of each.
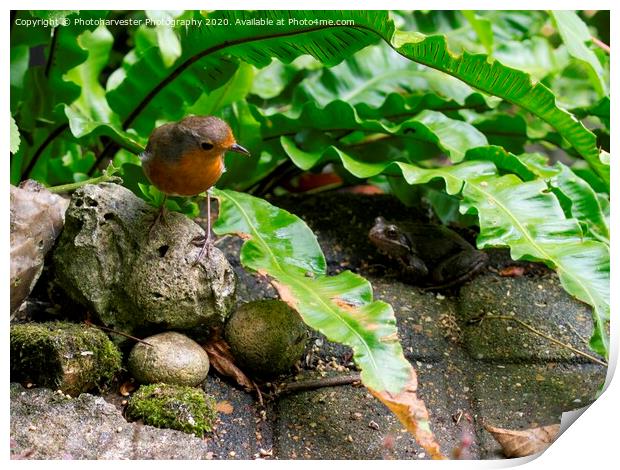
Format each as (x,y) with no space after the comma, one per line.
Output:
(458,268)
(415,268)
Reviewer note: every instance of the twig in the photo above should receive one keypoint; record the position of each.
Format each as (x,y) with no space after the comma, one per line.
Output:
(105,328)
(601,44)
(313,384)
(547,337)
(259,395)
(108,175)
(585,341)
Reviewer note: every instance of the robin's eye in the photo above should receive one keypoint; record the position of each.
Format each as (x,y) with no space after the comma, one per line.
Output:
(206,146)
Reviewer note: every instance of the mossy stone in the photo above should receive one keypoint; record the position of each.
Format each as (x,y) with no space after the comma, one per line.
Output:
(169,357)
(266,337)
(183,408)
(71,357)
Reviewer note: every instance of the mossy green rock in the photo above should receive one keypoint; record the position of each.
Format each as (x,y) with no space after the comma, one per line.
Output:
(183,408)
(169,357)
(133,278)
(266,337)
(71,357)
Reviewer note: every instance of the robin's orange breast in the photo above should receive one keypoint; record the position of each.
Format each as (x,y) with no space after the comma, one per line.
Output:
(191,175)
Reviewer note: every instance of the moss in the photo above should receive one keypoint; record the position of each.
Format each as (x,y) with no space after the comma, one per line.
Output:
(178,407)
(69,356)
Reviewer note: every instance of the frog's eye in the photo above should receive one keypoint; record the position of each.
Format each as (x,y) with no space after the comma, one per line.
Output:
(391,232)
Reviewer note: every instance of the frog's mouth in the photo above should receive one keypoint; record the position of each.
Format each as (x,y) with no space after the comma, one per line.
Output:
(395,249)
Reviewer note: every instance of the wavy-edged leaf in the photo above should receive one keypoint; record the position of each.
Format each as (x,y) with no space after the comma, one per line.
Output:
(235,89)
(599,109)
(575,35)
(534,56)
(374,73)
(90,114)
(13,136)
(167,40)
(150,89)
(452,136)
(512,85)
(529,220)
(483,28)
(280,245)
(210,53)
(20,56)
(580,199)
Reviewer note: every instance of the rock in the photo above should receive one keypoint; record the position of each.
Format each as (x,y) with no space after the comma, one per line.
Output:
(67,356)
(107,260)
(37,217)
(267,337)
(176,407)
(46,425)
(171,358)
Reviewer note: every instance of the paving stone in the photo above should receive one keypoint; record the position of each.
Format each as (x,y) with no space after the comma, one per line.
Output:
(422,318)
(236,433)
(525,396)
(540,302)
(348,423)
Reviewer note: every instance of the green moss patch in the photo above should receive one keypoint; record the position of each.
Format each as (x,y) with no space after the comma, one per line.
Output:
(183,408)
(68,356)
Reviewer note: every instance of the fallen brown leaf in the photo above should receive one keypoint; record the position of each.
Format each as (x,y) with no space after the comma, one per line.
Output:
(412,412)
(512,271)
(517,443)
(126,388)
(224,407)
(222,360)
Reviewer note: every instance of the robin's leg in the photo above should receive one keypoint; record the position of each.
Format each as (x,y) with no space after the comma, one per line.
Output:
(206,240)
(161,215)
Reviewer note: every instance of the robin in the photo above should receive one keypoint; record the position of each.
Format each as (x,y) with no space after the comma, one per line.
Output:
(186,158)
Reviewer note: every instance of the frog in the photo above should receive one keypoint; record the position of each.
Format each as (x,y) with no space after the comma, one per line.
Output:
(430,255)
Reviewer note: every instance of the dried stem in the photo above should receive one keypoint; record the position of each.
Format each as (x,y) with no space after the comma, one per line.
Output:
(547,337)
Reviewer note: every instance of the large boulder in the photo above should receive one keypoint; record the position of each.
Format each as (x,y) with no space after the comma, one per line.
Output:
(133,278)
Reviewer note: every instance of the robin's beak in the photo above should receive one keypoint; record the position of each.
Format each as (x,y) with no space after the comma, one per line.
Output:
(239,149)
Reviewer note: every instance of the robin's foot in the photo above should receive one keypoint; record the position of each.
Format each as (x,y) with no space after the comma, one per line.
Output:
(160,217)
(205,243)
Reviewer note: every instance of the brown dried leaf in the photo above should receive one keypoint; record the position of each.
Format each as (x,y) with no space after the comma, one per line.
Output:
(126,388)
(512,271)
(412,412)
(223,361)
(224,407)
(525,442)
(37,217)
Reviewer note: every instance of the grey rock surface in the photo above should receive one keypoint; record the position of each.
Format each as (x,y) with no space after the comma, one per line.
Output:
(107,260)
(169,357)
(46,425)
(37,217)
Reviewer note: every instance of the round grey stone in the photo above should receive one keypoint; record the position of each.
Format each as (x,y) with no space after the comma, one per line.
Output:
(171,358)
